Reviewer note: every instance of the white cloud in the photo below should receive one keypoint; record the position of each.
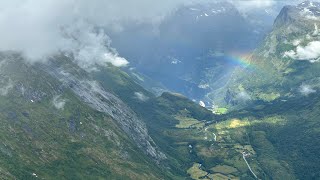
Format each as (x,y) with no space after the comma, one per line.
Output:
(115,59)
(141,96)
(310,52)
(291,54)
(42,28)
(4,90)
(90,47)
(58,102)
(253,4)
(243,96)
(296,42)
(306,90)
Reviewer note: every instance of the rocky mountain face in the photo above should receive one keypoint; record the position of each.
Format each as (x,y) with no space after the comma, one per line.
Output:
(291,14)
(93,94)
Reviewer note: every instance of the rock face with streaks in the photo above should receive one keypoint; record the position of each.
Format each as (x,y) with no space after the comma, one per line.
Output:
(90,92)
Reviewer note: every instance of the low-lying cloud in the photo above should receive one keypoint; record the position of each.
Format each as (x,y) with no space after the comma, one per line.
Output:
(91,47)
(243,96)
(253,4)
(7,85)
(140,96)
(311,52)
(306,90)
(58,102)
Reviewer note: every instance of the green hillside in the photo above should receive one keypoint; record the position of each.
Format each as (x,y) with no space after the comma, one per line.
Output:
(48,132)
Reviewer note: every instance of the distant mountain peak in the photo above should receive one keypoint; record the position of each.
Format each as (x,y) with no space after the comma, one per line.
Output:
(303,12)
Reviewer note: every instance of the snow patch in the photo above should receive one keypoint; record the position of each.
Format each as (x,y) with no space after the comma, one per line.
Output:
(202,104)
(203,86)
(307,13)
(174,60)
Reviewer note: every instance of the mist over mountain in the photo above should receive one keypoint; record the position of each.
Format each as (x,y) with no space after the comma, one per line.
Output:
(190,42)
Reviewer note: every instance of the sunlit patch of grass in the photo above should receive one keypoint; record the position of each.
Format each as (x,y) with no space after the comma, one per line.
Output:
(187,122)
(218,176)
(224,169)
(220,111)
(232,124)
(237,123)
(196,173)
(268,97)
(206,151)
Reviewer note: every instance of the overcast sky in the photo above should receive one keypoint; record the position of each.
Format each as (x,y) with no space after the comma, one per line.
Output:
(41,28)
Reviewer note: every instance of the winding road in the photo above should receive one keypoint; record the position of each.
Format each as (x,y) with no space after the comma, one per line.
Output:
(244,157)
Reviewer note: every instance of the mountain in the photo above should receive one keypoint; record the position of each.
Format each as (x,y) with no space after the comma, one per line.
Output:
(190,44)
(281,83)
(285,65)
(60,120)
(57,121)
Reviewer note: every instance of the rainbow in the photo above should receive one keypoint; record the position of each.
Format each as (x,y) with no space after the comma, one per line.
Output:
(242,60)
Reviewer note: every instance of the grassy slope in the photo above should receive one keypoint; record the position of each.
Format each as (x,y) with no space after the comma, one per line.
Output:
(71,143)
(157,113)
(176,123)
